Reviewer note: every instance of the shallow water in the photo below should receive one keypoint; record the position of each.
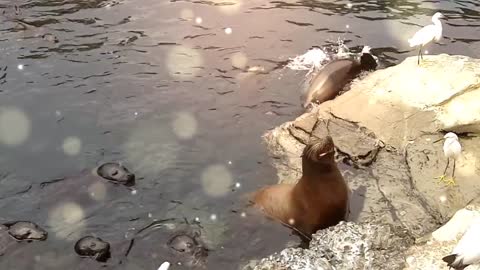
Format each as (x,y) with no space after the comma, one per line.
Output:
(162,86)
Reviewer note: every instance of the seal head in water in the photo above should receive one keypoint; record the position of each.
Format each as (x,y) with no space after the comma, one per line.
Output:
(116,173)
(94,247)
(26,231)
(318,200)
(333,77)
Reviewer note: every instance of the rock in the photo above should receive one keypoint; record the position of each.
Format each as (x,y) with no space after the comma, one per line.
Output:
(367,245)
(388,122)
(428,253)
(385,130)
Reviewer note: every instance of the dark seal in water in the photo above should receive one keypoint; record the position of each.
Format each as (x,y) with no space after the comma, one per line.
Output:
(93,247)
(26,231)
(188,247)
(116,173)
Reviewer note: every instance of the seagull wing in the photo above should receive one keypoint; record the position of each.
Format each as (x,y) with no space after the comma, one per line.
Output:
(423,36)
(467,249)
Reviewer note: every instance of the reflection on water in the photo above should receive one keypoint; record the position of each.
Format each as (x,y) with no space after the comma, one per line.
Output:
(180,91)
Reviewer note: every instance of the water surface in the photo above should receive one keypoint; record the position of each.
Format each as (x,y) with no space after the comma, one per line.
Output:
(164,87)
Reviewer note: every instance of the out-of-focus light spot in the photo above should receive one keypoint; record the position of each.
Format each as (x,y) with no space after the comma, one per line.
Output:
(20,67)
(238,185)
(428,139)
(229,162)
(134,192)
(135,113)
(239,60)
(149,215)
(426,51)
(186,14)
(228,30)
(98,191)
(349,5)
(67,220)
(291,221)
(198,20)
(216,180)
(151,147)
(347,26)
(183,62)
(243,214)
(443,198)
(14,126)
(197,219)
(184,125)
(72,146)
(213,217)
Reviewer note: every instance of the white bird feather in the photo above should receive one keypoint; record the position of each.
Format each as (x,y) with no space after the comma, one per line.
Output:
(451,146)
(428,33)
(164,266)
(466,252)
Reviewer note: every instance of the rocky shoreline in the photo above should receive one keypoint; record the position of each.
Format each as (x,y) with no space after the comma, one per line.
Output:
(384,129)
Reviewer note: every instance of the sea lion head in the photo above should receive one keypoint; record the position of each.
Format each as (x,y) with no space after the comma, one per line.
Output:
(94,247)
(189,248)
(317,153)
(116,173)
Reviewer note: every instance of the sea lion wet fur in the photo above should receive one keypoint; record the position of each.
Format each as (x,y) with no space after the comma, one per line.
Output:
(318,200)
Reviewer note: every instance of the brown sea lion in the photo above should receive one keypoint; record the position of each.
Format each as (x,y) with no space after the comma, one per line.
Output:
(333,77)
(318,200)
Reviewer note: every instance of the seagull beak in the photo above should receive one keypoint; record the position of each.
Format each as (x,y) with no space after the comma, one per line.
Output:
(438,140)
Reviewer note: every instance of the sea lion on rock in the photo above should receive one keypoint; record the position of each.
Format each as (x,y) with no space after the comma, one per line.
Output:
(333,77)
(116,173)
(26,231)
(318,200)
(93,247)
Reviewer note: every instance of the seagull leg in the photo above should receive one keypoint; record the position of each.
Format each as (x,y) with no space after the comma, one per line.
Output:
(452,181)
(442,177)
(418,56)
(445,171)
(421,52)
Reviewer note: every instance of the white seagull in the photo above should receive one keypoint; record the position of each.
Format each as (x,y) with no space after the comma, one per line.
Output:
(164,266)
(452,150)
(467,251)
(427,34)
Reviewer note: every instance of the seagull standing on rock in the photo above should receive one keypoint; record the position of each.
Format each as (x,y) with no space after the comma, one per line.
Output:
(466,252)
(451,149)
(427,34)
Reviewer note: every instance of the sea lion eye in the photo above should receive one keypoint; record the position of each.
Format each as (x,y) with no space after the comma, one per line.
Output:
(114,172)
